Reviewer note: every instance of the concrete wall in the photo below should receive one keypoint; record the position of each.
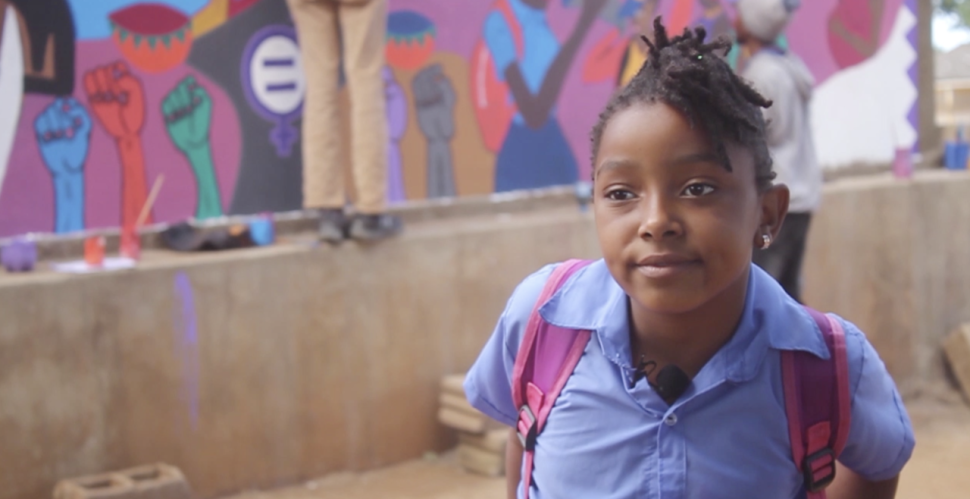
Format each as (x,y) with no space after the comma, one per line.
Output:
(257,368)
(930,135)
(263,367)
(894,257)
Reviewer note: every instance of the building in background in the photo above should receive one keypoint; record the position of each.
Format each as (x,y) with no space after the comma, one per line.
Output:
(953,89)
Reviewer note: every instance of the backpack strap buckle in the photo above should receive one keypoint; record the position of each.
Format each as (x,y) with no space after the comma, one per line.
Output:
(527,429)
(818,470)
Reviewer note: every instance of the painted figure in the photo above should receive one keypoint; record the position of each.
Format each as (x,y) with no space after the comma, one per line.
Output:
(528,61)
(11,82)
(188,115)
(48,46)
(877,117)
(714,18)
(854,30)
(434,101)
(397,123)
(620,53)
(63,131)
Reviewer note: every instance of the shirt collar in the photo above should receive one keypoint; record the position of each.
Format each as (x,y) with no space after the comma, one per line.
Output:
(592,300)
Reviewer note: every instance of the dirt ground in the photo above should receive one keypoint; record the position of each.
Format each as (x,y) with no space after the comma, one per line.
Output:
(939,469)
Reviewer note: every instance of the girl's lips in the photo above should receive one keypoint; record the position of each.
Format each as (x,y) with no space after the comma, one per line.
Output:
(666,265)
(665,259)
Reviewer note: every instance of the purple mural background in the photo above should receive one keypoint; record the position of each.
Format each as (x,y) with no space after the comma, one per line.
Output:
(452,29)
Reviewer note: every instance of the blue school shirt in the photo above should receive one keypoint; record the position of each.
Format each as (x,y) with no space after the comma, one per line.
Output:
(725,437)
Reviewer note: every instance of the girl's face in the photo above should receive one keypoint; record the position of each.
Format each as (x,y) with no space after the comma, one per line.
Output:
(675,227)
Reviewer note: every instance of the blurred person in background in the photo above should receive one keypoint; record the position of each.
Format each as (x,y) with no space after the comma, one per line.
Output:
(781,76)
(352,31)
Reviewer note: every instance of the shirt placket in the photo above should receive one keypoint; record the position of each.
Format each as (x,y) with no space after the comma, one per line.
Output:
(666,463)
(671,457)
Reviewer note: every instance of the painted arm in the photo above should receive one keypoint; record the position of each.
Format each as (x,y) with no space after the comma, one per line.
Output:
(535,108)
(866,44)
(187,110)
(397,110)
(513,464)
(117,99)
(134,190)
(208,203)
(63,131)
(434,101)
(849,485)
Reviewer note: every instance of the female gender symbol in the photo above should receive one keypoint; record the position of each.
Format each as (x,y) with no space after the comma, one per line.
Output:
(272,76)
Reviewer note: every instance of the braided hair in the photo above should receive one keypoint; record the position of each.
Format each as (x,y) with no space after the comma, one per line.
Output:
(688,74)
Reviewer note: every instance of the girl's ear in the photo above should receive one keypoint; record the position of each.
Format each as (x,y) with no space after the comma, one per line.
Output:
(774,208)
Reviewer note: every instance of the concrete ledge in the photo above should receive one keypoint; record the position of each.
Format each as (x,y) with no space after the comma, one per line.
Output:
(69,246)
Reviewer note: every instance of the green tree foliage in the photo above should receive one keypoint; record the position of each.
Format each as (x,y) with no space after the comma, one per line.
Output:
(958,9)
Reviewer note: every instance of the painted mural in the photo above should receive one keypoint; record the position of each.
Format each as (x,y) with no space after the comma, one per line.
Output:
(100,98)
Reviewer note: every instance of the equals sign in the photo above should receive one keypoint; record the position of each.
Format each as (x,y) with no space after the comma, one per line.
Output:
(278,63)
(280,87)
(287,62)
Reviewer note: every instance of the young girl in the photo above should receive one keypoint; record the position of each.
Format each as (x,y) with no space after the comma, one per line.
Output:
(683,194)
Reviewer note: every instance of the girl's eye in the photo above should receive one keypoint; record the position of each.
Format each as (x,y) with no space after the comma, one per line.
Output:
(619,195)
(697,190)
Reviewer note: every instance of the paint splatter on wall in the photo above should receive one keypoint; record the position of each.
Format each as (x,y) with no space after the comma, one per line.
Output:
(481,97)
(186,342)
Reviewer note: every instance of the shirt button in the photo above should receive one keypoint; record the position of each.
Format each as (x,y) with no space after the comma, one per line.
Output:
(670,420)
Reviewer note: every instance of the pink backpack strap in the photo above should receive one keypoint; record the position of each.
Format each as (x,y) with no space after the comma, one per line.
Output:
(818,406)
(546,358)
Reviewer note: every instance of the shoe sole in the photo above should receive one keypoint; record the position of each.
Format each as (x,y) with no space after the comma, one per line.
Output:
(332,236)
(368,236)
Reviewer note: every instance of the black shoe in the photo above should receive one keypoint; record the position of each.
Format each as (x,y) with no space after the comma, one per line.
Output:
(187,237)
(333,225)
(374,227)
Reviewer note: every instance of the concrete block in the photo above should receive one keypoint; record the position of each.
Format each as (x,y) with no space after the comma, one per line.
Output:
(457,402)
(102,486)
(158,481)
(453,384)
(491,441)
(462,421)
(155,481)
(480,461)
(957,349)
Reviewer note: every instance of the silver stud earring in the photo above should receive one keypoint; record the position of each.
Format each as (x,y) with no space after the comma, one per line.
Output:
(765,241)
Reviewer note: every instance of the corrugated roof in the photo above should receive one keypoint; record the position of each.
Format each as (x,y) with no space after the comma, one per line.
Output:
(954,64)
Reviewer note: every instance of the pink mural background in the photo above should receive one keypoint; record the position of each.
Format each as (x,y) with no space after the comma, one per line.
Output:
(253,176)
(27,198)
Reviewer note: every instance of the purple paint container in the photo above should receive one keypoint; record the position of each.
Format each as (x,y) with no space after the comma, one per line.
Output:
(19,255)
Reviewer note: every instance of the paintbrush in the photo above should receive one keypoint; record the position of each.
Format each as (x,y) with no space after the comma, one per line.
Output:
(146,209)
